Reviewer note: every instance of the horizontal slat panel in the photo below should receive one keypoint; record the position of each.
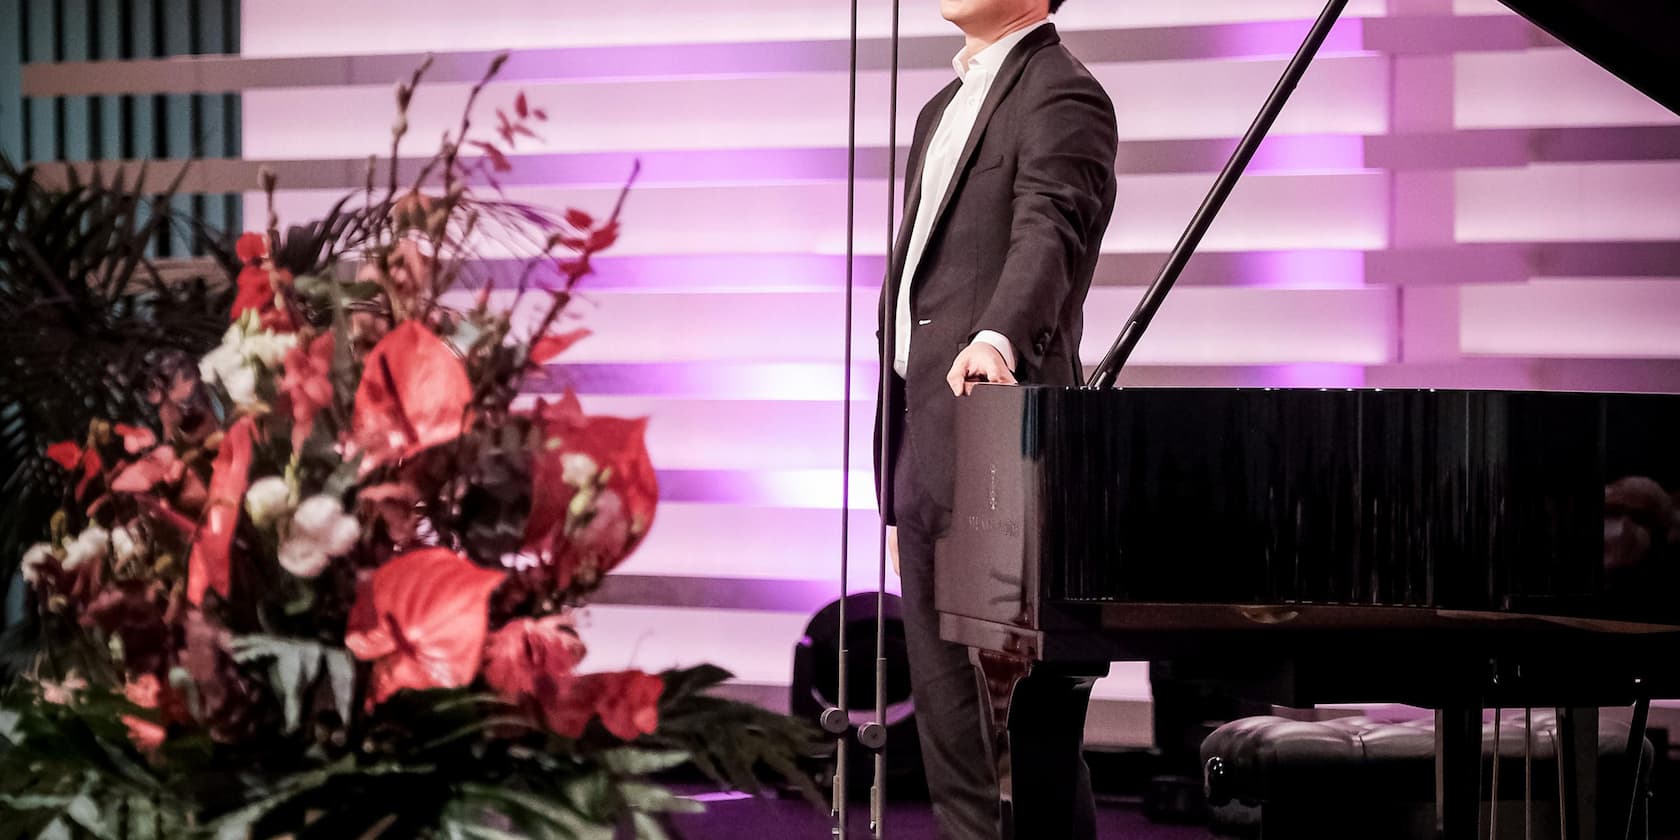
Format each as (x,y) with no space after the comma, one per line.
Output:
(1553,87)
(1601,318)
(1251,326)
(1522,146)
(1519,262)
(754,541)
(1611,201)
(783,488)
(704,434)
(689,167)
(1260,39)
(384,25)
(1286,154)
(1341,211)
(1198,326)
(1340,95)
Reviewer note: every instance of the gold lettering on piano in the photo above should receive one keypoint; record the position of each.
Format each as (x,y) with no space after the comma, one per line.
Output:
(995,525)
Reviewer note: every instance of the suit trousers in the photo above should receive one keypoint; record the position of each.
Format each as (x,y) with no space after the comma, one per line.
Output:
(1052,785)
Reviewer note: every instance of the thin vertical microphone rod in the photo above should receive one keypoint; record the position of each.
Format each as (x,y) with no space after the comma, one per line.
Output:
(837,721)
(878,794)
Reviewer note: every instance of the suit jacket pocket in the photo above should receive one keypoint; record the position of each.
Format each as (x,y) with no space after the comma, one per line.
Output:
(987,164)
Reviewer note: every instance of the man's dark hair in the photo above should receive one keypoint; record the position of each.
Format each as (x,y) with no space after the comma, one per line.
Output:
(1056,5)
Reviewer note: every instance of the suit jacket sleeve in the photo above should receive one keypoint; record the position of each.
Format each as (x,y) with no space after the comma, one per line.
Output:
(1065,161)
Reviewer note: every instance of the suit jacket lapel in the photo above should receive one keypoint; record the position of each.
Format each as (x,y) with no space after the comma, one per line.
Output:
(1007,76)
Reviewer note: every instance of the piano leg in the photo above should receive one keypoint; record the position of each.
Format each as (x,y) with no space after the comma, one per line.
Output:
(1458,768)
(999,674)
(1578,772)
(1035,722)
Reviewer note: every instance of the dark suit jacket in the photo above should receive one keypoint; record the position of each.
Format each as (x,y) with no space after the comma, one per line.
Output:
(1012,250)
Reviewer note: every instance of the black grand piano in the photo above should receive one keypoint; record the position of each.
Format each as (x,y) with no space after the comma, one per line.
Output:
(1457,550)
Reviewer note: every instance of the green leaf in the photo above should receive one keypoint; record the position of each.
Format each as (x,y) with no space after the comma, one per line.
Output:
(470,831)
(655,799)
(295,672)
(648,827)
(539,815)
(635,761)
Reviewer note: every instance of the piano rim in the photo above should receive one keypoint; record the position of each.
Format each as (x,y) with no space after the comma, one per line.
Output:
(1275,623)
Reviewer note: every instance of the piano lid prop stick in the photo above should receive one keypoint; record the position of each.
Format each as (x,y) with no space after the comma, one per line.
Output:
(837,721)
(1109,369)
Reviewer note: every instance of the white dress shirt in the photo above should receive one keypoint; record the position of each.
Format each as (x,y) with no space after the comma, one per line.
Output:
(939,166)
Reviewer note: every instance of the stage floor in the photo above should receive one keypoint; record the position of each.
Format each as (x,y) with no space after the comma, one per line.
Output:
(795,819)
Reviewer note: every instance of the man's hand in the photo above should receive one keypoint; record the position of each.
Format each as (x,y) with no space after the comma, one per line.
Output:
(978,362)
(892,548)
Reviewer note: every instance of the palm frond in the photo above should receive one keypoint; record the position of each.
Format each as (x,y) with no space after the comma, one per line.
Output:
(90,319)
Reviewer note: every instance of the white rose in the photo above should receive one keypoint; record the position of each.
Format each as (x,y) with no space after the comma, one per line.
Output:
(35,560)
(268,500)
(320,529)
(268,347)
(92,544)
(221,360)
(226,366)
(124,546)
(302,558)
(321,519)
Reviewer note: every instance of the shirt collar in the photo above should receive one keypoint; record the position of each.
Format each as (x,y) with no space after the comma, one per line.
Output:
(990,59)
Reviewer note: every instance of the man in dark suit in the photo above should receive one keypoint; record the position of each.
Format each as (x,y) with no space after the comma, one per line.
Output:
(1009,188)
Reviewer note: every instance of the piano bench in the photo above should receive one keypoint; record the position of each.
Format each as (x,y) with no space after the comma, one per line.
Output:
(1271,777)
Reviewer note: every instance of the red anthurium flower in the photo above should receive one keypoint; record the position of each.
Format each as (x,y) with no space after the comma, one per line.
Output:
(256,284)
(159,465)
(251,248)
(626,701)
(136,439)
(413,396)
(256,292)
(531,658)
(208,566)
(421,620)
(307,384)
(576,452)
(65,453)
(549,346)
(629,702)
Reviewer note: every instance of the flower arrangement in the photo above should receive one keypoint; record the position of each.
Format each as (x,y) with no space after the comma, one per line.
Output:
(331,592)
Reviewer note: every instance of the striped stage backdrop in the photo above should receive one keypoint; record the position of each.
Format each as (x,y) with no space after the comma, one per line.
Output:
(1451,200)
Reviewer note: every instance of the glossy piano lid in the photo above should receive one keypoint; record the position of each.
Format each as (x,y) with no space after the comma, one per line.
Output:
(1634,39)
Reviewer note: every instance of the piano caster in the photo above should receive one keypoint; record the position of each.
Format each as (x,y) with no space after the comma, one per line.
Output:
(998,675)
